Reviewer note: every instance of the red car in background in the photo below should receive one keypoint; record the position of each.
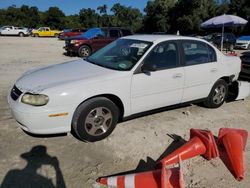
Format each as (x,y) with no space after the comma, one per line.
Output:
(71,33)
(93,40)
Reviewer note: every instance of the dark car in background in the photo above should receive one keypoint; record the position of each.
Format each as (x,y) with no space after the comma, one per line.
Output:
(245,70)
(94,39)
(71,33)
(229,40)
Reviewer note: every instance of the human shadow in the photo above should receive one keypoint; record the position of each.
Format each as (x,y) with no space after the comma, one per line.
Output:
(151,164)
(28,177)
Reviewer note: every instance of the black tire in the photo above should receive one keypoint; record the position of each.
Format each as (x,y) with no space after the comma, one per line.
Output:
(56,35)
(247,47)
(87,109)
(215,99)
(36,35)
(21,34)
(84,51)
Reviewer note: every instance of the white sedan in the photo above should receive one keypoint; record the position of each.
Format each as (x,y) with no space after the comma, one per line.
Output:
(131,75)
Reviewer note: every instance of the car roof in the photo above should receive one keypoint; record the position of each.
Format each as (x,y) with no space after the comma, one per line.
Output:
(159,38)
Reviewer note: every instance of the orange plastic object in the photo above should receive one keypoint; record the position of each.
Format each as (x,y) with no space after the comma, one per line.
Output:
(162,178)
(234,142)
(208,140)
(168,180)
(191,149)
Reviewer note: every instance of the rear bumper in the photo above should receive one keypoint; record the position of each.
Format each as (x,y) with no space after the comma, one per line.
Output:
(245,72)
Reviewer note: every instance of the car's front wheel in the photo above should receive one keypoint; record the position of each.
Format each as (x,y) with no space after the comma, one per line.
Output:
(95,119)
(84,51)
(218,94)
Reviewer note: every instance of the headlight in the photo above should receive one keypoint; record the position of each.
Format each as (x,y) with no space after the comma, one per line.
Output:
(73,41)
(35,99)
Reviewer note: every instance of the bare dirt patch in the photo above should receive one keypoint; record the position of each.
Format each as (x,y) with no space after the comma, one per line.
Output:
(75,164)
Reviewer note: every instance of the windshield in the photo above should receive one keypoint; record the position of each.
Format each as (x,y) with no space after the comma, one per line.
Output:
(94,32)
(121,54)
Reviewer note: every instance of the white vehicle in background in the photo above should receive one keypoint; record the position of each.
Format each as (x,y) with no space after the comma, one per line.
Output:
(243,43)
(14,31)
(131,75)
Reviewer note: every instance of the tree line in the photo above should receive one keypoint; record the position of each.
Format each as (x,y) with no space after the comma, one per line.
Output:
(158,16)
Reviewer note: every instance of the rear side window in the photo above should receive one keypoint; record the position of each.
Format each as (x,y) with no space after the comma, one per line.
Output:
(126,32)
(114,33)
(196,52)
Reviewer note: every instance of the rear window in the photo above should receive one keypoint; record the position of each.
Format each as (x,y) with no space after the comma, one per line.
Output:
(126,32)
(114,33)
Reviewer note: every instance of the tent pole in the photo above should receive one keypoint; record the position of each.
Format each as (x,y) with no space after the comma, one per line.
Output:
(222,36)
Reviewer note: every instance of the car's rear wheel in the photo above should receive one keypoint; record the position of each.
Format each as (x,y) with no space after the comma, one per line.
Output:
(247,47)
(84,51)
(56,35)
(36,35)
(95,119)
(217,95)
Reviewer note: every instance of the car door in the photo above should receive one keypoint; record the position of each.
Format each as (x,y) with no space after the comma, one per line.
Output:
(42,32)
(200,68)
(47,32)
(162,87)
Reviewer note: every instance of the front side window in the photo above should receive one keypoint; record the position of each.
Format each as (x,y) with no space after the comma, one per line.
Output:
(163,56)
(121,54)
(196,52)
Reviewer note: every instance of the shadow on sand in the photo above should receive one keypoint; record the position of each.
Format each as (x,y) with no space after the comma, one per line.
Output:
(28,177)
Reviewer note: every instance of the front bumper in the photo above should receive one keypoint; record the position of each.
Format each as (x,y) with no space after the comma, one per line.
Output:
(36,120)
(71,48)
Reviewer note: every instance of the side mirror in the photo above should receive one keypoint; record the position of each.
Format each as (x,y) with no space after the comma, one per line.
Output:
(148,68)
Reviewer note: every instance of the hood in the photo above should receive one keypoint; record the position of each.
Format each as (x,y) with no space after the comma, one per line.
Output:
(78,37)
(38,80)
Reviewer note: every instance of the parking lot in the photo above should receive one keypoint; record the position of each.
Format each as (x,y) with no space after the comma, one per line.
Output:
(137,143)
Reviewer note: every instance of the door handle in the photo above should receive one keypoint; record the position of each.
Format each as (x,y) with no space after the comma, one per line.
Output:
(214,70)
(179,75)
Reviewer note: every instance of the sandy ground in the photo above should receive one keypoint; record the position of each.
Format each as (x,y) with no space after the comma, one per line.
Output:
(67,162)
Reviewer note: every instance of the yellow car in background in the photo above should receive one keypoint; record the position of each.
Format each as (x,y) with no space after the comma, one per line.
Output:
(45,32)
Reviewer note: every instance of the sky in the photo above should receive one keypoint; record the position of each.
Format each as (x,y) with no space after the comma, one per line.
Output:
(72,6)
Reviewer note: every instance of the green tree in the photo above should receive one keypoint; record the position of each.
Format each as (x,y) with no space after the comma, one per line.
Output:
(126,17)
(54,18)
(157,17)
(102,9)
(88,18)
(188,20)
